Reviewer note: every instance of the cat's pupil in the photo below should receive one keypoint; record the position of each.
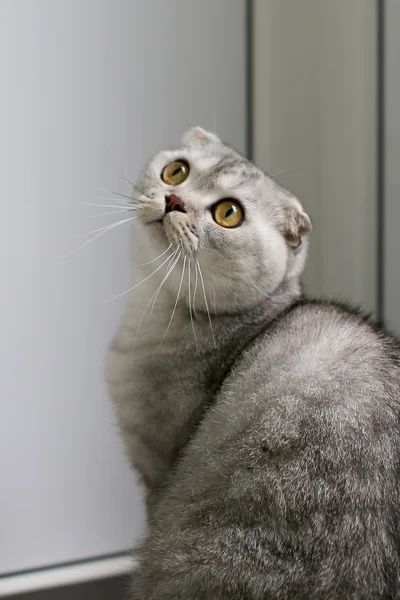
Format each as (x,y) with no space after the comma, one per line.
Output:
(177,170)
(229,212)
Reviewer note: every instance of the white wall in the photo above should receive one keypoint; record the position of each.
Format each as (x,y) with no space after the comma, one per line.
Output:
(391,224)
(315,114)
(89,89)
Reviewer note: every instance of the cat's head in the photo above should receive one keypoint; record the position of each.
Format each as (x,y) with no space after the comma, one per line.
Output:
(217,210)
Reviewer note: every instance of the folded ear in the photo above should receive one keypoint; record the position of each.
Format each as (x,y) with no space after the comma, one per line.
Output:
(296,224)
(197,137)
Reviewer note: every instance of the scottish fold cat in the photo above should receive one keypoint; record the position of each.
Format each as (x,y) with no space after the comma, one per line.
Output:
(264,426)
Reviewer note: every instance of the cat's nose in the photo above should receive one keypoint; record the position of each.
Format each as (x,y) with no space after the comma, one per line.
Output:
(172,203)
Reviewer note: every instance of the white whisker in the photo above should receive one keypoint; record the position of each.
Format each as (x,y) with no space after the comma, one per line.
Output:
(117,201)
(261,291)
(140,283)
(127,207)
(93,238)
(194,293)
(106,227)
(127,180)
(116,193)
(123,196)
(154,259)
(128,199)
(126,195)
(169,270)
(141,192)
(190,310)
(206,303)
(176,303)
(112,212)
(281,172)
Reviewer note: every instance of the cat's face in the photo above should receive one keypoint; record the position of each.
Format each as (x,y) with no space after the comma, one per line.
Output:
(225,219)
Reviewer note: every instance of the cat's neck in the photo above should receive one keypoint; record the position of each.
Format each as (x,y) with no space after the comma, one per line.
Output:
(170,328)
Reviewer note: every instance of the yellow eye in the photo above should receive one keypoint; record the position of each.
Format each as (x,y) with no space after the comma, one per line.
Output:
(175,173)
(228,213)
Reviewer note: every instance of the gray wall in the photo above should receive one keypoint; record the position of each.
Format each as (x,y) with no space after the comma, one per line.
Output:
(315,109)
(90,89)
(391,222)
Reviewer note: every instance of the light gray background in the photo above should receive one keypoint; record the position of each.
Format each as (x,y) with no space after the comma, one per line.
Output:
(90,88)
(391,224)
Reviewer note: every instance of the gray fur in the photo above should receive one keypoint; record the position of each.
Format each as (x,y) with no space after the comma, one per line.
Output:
(270,449)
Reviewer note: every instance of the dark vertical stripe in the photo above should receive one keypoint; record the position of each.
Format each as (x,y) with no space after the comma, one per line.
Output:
(249,78)
(381,158)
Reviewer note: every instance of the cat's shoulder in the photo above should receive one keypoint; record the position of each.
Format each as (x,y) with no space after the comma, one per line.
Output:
(334,327)
(337,314)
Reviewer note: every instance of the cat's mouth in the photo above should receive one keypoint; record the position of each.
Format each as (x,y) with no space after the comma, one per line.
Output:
(173,204)
(173,223)
(177,230)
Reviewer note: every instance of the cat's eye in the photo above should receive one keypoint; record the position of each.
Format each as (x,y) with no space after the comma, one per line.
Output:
(175,173)
(228,213)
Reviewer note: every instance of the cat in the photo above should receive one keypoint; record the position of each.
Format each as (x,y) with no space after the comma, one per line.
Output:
(264,426)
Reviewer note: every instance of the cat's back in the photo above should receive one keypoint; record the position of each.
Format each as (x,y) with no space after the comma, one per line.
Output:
(319,373)
(322,351)
(320,380)
(290,486)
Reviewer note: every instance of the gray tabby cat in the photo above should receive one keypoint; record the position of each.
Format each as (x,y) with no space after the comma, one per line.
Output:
(265,427)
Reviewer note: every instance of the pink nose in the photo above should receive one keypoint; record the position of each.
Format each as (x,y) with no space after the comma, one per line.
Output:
(172,203)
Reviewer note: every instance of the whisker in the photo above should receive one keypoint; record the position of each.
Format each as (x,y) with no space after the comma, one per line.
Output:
(128,206)
(135,187)
(128,181)
(138,189)
(194,294)
(113,212)
(137,284)
(170,269)
(116,200)
(154,259)
(206,303)
(106,227)
(262,292)
(191,312)
(121,195)
(281,172)
(176,303)
(122,203)
(115,193)
(93,238)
